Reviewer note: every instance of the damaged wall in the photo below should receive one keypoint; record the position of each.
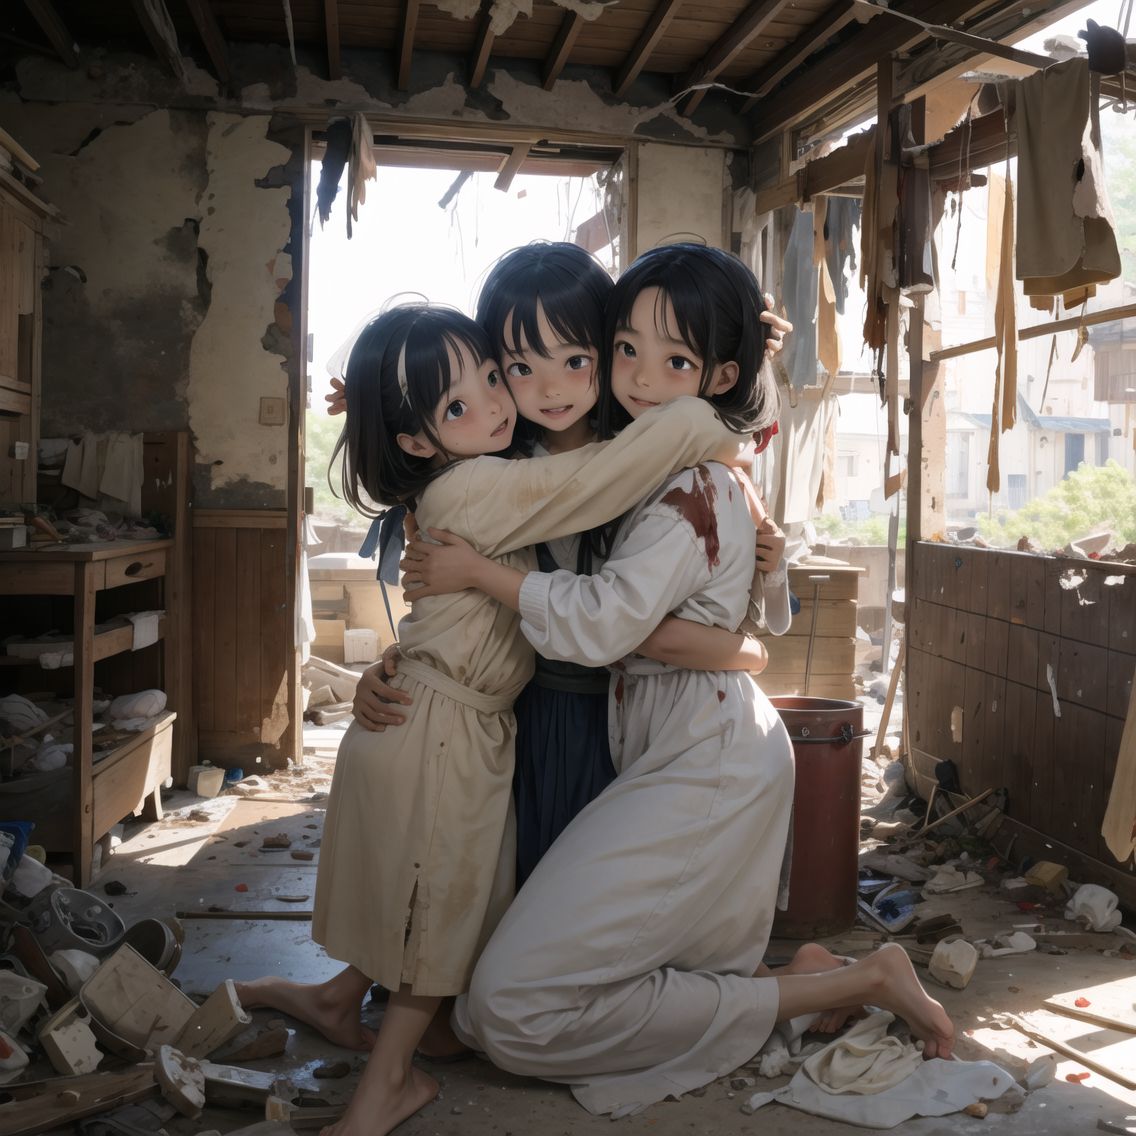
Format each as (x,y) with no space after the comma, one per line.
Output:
(160,301)
(664,213)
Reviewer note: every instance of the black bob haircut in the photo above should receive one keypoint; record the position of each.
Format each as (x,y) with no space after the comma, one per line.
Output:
(563,280)
(398,370)
(717,305)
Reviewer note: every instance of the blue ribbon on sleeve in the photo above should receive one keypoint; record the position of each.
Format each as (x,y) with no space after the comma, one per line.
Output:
(386,540)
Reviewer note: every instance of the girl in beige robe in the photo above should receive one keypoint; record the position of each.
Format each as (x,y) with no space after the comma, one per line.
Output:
(416,820)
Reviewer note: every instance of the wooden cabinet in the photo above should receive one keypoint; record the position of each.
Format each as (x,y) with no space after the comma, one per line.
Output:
(101,793)
(21,268)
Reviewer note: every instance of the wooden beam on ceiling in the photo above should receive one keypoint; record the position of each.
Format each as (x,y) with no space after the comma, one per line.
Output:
(160,31)
(511,165)
(406,43)
(569,31)
(479,61)
(821,175)
(747,27)
(853,61)
(331,34)
(211,36)
(814,37)
(645,45)
(44,13)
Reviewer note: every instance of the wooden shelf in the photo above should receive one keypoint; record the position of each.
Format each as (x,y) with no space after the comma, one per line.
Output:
(114,641)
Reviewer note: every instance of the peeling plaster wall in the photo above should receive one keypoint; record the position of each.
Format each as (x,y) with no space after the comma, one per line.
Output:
(160,304)
(680,195)
(243,230)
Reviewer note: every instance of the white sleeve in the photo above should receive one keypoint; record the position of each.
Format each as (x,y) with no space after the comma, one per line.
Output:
(595,620)
(769,601)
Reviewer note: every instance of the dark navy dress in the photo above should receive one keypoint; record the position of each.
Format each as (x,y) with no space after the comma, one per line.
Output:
(563,757)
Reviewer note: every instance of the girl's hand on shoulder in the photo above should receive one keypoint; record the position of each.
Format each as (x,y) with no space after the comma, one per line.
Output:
(373,706)
(430,569)
(337,400)
(778,328)
(770,546)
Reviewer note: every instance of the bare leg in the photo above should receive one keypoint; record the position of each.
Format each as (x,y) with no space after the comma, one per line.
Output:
(331,1007)
(391,1088)
(439,1040)
(885,978)
(812,958)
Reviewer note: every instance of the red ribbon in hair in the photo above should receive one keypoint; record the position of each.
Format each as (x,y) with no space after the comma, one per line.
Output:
(764,436)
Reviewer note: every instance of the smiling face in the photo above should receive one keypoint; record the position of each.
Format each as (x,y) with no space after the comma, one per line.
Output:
(652,365)
(555,391)
(475,416)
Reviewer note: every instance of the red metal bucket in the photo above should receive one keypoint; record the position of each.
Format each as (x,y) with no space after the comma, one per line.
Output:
(827,736)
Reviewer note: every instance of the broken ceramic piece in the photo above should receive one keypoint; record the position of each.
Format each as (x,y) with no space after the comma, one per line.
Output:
(953,962)
(181,1080)
(20,999)
(69,1042)
(216,1021)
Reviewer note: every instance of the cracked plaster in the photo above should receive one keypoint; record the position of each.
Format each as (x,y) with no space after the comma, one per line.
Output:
(242,232)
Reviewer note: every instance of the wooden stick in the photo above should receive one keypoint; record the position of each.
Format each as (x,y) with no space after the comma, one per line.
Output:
(299,916)
(1086,1015)
(955,812)
(885,719)
(1069,1051)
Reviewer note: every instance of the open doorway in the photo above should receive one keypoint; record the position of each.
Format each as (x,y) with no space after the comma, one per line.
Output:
(422,233)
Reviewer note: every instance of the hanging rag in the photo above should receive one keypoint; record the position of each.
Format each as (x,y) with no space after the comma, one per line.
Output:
(81,465)
(828,340)
(361,168)
(1119,827)
(1004,410)
(800,298)
(122,465)
(336,149)
(146,625)
(1066,232)
(842,215)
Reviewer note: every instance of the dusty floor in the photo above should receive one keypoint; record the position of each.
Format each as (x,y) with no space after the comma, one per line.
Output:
(193,862)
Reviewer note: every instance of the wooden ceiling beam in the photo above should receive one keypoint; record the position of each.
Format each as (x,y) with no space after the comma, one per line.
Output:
(511,165)
(61,40)
(479,61)
(656,28)
(566,37)
(406,43)
(854,61)
(747,27)
(211,36)
(814,37)
(160,31)
(331,34)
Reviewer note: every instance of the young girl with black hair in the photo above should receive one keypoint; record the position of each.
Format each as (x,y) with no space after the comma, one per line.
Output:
(543,306)
(407,889)
(630,966)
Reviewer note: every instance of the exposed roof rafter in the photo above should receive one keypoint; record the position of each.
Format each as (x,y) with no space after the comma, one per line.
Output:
(160,31)
(562,46)
(750,24)
(645,45)
(853,61)
(815,36)
(211,36)
(331,34)
(406,43)
(44,13)
(479,61)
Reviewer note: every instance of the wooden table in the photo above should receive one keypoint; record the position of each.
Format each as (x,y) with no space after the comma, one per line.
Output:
(135,770)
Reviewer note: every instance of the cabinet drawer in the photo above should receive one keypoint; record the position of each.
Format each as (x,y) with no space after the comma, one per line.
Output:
(138,566)
(34,577)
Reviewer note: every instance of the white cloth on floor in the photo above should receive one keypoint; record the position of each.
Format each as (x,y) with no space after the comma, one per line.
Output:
(866,1059)
(934,1088)
(1095,906)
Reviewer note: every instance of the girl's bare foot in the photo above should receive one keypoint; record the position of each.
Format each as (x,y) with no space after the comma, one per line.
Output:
(329,1007)
(812,958)
(381,1104)
(895,987)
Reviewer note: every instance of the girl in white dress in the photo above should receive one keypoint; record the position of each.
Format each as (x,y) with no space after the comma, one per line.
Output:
(407,889)
(630,965)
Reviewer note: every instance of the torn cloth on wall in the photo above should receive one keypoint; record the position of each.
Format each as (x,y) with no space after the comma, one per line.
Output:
(337,148)
(842,215)
(107,466)
(828,341)
(1066,233)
